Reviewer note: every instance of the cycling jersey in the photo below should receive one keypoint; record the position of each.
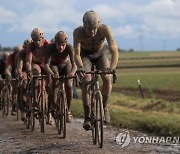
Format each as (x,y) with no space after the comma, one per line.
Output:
(58,57)
(37,54)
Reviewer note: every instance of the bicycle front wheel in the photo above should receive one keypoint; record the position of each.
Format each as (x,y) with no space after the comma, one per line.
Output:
(6,103)
(99,116)
(61,118)
(42,112)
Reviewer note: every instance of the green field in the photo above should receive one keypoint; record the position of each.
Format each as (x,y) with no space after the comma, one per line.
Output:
(156,78)
(153,115)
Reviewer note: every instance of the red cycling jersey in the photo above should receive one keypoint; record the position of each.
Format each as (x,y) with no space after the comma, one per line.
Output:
(37,54)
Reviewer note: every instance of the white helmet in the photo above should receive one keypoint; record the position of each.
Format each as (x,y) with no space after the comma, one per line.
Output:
(37,33)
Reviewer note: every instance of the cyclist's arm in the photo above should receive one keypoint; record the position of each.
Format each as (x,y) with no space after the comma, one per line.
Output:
(28,60)
(19,66)
(8,70)
(77,49)
(113,47)
(47,63)
(71,56)
(8,67)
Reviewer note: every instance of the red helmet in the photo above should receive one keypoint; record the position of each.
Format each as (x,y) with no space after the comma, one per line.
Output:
(61,37)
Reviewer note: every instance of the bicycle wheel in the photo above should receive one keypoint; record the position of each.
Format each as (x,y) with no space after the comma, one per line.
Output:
(58,114)
(17,110)
(30,115)
(6,103)
(32,120)
(93,121)
(63,115)
(42,112)
(99,118)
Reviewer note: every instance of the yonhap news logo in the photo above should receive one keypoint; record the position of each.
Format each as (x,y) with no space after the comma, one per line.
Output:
(124,139)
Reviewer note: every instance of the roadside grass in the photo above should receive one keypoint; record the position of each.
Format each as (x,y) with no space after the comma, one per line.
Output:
(149,115)
(149,80)
(151,122)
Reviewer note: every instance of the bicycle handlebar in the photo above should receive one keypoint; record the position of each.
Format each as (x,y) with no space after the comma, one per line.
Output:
(39,76)
(63,77)
(99,72)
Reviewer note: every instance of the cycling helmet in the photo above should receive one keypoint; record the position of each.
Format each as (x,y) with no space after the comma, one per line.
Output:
(61,37)
(52,40)
(91,19)
(37,33)
(18,48)
(26,42)
(5,56)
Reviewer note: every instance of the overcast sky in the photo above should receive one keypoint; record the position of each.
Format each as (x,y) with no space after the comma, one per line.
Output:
(137,24)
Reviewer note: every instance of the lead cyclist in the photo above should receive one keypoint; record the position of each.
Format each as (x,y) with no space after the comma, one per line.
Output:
(88,45)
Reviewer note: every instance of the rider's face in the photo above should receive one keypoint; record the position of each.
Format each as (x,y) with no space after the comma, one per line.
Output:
(38,42)
(60,46)
(91,31)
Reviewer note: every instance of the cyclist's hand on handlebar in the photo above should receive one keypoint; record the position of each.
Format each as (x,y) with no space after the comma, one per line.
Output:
(81,71)
(70,75)
(109,70)
(55,75)
(8,77)
(20,77)
(29,74)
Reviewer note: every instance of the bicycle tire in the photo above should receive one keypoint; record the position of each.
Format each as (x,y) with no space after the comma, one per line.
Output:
(61,114)
(6,103)
(63,117)
(17,111)
(32,120)
(58,117)
(93,121)
(99,119)
(42,113)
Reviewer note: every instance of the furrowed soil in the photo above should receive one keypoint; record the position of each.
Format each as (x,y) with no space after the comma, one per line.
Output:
(168,95)
(15,138)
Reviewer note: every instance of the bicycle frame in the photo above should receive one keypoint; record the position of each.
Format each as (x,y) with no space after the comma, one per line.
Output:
(29,110)
(42,105)
(97,110)
(61,106)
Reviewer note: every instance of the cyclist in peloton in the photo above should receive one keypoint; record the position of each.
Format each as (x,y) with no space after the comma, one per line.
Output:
(10,72)
(60,61)
(3,62)
(35,57)
(88,45)
(22,75)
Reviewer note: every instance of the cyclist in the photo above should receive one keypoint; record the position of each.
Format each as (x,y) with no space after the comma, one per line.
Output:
(22,75)
(10,73)
(35,57)
(88,45)
(3,62)
(60,60)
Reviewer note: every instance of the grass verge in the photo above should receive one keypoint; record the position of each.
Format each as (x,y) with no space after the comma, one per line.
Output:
(140,114)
